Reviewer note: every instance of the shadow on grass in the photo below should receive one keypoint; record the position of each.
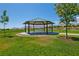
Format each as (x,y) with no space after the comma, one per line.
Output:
(7,36)
(75,38)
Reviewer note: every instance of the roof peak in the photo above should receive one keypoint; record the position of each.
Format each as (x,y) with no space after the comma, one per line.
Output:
(38,19)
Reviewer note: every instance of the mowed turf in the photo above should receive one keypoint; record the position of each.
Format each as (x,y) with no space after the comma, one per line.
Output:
(69,31)
(51,45)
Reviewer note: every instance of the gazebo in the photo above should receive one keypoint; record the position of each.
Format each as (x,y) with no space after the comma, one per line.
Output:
(39,21)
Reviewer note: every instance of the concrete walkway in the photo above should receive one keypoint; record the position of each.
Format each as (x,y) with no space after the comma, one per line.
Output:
(68,34)
(24,34)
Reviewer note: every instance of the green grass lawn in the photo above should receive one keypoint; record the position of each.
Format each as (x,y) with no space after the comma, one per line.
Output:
(69,31)
(50,45)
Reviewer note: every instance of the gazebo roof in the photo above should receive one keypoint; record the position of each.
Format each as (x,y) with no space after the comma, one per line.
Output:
(38,21)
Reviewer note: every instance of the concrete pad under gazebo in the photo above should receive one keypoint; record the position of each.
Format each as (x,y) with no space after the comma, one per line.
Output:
(39,21)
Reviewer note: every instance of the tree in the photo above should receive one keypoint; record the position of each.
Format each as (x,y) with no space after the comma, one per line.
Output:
(66,12)
(4,19)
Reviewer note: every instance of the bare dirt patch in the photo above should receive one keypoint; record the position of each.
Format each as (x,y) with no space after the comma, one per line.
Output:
(43,40)
(4,46)
(70,39)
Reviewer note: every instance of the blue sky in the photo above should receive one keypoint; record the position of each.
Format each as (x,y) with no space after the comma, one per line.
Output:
(18,13)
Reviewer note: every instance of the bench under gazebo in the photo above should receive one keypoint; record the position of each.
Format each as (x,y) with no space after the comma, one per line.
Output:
(37,22)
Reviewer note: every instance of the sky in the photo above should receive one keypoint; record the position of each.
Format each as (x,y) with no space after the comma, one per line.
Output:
(20,12)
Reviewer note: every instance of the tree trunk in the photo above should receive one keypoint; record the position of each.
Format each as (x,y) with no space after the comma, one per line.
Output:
(4,29)
(66,29)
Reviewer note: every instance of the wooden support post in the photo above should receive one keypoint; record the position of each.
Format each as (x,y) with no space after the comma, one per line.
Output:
(47,28)
(52,27)
(25,27)
(28,28)
(44,27)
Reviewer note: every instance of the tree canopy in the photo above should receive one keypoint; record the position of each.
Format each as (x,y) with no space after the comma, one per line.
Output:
(67,11)
(4,17)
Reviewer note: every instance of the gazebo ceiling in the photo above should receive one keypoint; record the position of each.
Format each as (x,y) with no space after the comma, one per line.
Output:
(38,21)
